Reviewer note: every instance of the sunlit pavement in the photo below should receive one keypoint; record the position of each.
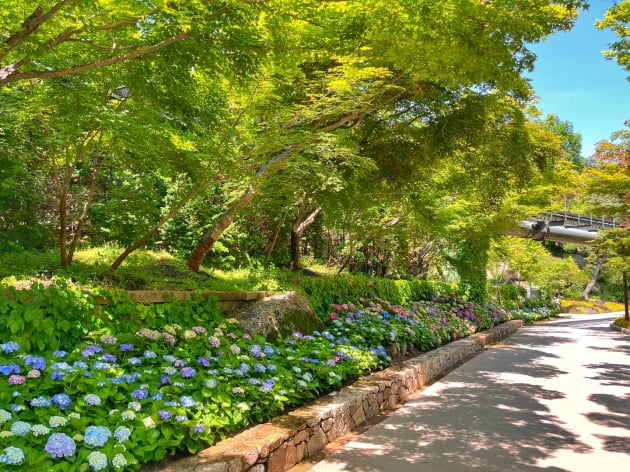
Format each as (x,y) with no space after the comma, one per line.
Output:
(553,397)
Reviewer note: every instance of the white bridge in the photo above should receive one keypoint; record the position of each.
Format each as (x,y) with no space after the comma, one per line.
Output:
(564,227)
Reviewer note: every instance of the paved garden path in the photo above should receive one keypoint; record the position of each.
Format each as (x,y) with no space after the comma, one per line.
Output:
(553,397)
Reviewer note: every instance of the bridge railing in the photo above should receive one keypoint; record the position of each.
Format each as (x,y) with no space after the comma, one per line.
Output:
(579,221)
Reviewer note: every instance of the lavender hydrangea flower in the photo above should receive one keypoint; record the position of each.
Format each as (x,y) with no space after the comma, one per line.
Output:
(255,350)
(108,340)
(181,418)
(165,415)
(109,358)
(260,368)
(60,445)
(126,347)
(198,428)
(164,379)
(204,361)
(97,460)
(96,436)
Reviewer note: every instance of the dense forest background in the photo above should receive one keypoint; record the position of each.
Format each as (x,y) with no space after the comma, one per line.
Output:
(398,140)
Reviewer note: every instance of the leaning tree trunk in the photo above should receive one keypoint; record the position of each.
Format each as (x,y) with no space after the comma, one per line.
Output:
(297,230)
(591,284)
(213,234)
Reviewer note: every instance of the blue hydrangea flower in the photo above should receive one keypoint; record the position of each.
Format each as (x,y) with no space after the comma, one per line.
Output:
(10,347)
(258,367)
(149,354)
(164,379)
(20,428)
(62,400)
(109,358)
(187,402)
(126,347)
(92,399)
(97,460)
(272,367)
(269,350)
(60,445)
(12,455)
(134,360)
(60,353)
(36,362)
(181,418)
(122,433)
(8,369)
(81,365)
(40,402)
(96,436)
(100,365)
(204,361)
(253,381)
(157,397)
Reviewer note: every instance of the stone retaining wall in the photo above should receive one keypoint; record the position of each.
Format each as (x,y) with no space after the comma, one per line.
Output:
(285,441)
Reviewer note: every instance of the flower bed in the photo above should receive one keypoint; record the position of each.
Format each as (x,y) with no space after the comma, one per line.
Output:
(119,399)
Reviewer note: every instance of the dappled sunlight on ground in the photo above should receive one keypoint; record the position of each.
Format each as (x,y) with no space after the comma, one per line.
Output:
(554,397)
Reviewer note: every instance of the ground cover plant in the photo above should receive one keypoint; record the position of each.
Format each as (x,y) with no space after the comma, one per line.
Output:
(120,397)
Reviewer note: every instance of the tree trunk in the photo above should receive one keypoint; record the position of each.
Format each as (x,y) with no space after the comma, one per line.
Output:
(224,221)
(591,284)
(297,230)
(625,294)
(274,239)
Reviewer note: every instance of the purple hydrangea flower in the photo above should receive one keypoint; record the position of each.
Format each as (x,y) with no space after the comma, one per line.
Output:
(60,445)
(165,415)
(16,379)
(126,347)
(179,363)
(255,350)
(188,372)
(164,379)
(198,428)
(260,368)
(140,393)
(109,358)
(204,361)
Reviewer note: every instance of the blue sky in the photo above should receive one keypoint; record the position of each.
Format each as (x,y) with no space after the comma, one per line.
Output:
(573,80)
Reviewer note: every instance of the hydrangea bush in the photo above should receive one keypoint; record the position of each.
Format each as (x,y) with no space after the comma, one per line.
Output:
(118,400)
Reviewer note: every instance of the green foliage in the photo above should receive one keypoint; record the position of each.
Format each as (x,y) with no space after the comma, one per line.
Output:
(59,315)
(323,291)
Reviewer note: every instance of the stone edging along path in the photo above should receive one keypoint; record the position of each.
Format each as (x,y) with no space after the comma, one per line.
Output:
(283,442)
(614,327)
